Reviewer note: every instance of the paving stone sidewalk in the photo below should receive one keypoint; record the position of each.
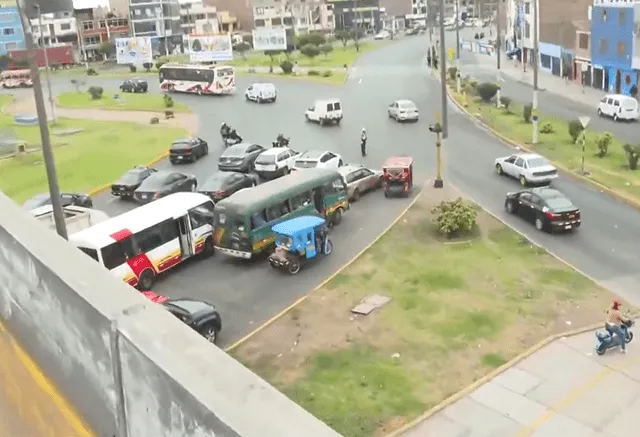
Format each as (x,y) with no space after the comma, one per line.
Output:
(565,390)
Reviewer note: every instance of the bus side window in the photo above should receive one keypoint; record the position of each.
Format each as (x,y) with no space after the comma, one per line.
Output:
(117,254)
(157,235)
(274,212)
(284,208)
(301,200)
(258,219)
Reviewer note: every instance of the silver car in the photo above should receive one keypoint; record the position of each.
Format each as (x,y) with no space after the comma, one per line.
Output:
(359,180)
(403,110)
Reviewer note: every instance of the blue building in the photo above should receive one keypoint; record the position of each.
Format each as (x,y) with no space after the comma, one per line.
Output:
(612,44)
(11,34)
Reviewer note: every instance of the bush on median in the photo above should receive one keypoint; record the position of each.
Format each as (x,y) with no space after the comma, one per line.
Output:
(454,218)
(286,66)
(96,92)
(506,101)
(453,73)
(633,154)
(487,91)
(547,128)
(604,141)
(575,129)
(313,73)
(527,112)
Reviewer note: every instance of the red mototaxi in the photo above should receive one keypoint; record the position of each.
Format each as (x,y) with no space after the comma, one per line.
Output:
(397,176)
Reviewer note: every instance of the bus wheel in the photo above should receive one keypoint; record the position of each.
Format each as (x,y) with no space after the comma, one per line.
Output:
(199,91)
(146,280)
(337,217)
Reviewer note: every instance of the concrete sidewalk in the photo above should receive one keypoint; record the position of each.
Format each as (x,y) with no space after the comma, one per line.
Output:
(564,389)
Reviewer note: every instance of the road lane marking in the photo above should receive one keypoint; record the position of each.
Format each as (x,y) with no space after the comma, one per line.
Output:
(360,80)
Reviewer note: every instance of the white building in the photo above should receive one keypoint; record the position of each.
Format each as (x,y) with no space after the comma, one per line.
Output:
(157,18)
(56,28)
(303,17)
(198,19)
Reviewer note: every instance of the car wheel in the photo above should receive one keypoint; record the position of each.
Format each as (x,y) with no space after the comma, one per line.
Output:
(539,224)
(173,161)
(340,163)
(211,334)
(499,169)
(206,150)
(600,112)
(615,117)
(337,217)
(389,113)
(306,116)
(509,206)
(356,195)
(146,280)
(523,181)
(246,96)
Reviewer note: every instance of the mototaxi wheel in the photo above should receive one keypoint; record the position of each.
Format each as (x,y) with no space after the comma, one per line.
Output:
(294,267)
(328,247)
(629,336)
(337,217)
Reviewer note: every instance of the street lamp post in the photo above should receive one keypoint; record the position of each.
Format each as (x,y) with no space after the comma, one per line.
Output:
(41,111)
(46,63)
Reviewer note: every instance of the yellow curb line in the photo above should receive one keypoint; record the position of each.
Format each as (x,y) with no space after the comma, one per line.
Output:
(66,409)
(151,163)
(326,281)
(603,188)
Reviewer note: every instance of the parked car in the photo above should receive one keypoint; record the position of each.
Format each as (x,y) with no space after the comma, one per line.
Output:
(223,184)
(66,199)
(188,150)
(261,92)
(199,315)
(382,35)
(360,180)
(131,180)
(618,107)
(136,85)
(275,162)
(325,112)
(403,110)
(318,159)
(163,183)
(528,168)
(240,157)
(548,209)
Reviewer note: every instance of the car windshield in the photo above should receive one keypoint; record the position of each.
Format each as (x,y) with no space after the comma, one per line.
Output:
(537,162)
(301,163)
(235,152)
(153,182)
(266,159)
(130,177)
(36,201)
(559,203)
(215,182)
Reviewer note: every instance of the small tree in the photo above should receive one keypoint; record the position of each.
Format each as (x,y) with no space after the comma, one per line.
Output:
(604,141)
(454,218)
(147,66)
(633,154)
(159,64)
(313,38)
(272,54)
(527,111)
(487,91)
(575,129)
(133,68)
(310,51)
(344,36)
(506,102)
(106,49)
(96,92)
(168,101)
(286,66)
(242,48)
(326,48)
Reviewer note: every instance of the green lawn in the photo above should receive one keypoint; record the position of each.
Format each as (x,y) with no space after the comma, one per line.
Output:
(85,160)
(458,310)
(611,170)
(125,101)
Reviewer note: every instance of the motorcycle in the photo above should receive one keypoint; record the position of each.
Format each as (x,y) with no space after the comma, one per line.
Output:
(232,138)
(607,341)
(281,142)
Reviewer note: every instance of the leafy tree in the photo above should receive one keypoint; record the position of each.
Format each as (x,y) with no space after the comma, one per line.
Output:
(96,92)
(106,48)
(454,218)
(604,141)
(506,102)
(575,130)
(168,101)
(344,36)
(527,112)
(286,66)
(487,91)
(147,66)
(313,38)
(326,49)
(272,54)
(242,48)
(633,154)
(310,51)
(133,68)
(453,73)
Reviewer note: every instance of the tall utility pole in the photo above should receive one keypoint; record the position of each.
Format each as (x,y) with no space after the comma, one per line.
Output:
(443,74)
(534,102)
(41,111)
(46,62)
(458,17)
(498,51)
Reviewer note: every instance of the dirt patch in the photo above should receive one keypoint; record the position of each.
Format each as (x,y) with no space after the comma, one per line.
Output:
(458,310)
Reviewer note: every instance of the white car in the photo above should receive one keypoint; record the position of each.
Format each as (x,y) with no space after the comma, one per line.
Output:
(403,110)
(382,35)
(275,162)
(528,168)
(318,159)
(261,92)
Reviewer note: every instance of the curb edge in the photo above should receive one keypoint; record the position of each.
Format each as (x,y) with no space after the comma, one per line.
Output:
(105,187)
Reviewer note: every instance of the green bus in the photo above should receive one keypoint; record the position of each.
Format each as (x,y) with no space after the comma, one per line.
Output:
(243,221)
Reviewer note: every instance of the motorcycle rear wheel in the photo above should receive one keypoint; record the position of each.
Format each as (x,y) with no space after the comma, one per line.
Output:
(600,350)
(629,336)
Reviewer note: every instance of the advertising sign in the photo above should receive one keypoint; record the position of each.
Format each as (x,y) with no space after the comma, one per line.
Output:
(136,50)
(270,39)
(210,48)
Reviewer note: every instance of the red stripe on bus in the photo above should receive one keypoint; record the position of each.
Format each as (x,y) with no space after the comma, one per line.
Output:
(121,235)
(170,262)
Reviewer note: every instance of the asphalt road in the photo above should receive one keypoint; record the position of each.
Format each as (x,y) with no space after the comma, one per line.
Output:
(249,293)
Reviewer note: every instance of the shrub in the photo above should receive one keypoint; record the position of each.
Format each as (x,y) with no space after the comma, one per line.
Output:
(313,73)
(604,141)
(55,66)
(575,129)
(454,217)
(476,36)
(326,49)
(547,128)
(310,51)
(314,38)
(147,66)
(506,102)
(453,73)
(155,120)
(286,66)
(159,64)
(633,154)
(168,101)
(91,72)
(242,48)
(327,73)
(527,111)
(472,87)
(487,91)
(96,92)
(133,68)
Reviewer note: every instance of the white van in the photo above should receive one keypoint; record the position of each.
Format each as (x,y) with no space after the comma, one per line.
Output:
(325,112)
(619,107)
(261,92)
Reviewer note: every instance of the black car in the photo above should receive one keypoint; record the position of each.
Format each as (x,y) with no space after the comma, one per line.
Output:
(200,316)
(223,184)
(188,150)
(240,157)
(548,209)
(134,86)
(163,183)
(67,199)
(131,180)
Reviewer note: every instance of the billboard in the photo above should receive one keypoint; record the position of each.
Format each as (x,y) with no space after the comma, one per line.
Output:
(270,39)
(136,50)
(210,48)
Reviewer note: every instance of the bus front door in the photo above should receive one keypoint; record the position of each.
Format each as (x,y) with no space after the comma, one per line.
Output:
(184,229)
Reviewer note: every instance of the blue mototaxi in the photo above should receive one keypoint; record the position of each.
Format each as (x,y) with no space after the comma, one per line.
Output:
(299,240)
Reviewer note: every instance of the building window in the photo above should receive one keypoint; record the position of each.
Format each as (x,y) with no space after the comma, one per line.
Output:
(11,46)
(604,15)
(622,16)
(259,11)
(259,23)
(527,8)
(276,21)
(622,48)
(527,30)
(8,31)
(583,41)
(65,26)
(604,46)
(92,40)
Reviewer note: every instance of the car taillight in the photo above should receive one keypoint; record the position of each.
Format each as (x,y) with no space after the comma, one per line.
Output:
(156,196)
(551,216)
(219,193)
(187,150)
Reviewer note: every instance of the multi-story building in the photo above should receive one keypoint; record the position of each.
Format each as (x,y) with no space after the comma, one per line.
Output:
(56,28)
(11,34)
(227,22)
(158,19)
(615,52)
(31,7)
(365,14)
(98,26)
(236,13)
(301,16)
(198,19)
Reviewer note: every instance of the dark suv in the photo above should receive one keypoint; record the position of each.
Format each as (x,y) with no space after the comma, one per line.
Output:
(134,86)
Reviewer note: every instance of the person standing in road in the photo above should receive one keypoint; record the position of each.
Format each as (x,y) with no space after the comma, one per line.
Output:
(363,142)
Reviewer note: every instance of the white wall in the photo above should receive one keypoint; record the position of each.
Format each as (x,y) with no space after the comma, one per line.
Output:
(61,26)
(528,41)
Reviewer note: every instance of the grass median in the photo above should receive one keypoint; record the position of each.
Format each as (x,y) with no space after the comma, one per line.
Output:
(459,308)
(554,141)
(124,101)
(97,155)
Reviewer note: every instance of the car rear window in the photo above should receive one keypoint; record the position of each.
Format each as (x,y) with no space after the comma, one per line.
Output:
(537,162)
(306,164)
(629,104)
(407,105)
(559,203)
(266,159)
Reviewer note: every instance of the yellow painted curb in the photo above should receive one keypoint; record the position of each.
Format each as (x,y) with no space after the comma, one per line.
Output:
(151,163)
(603,188)
(326,281)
